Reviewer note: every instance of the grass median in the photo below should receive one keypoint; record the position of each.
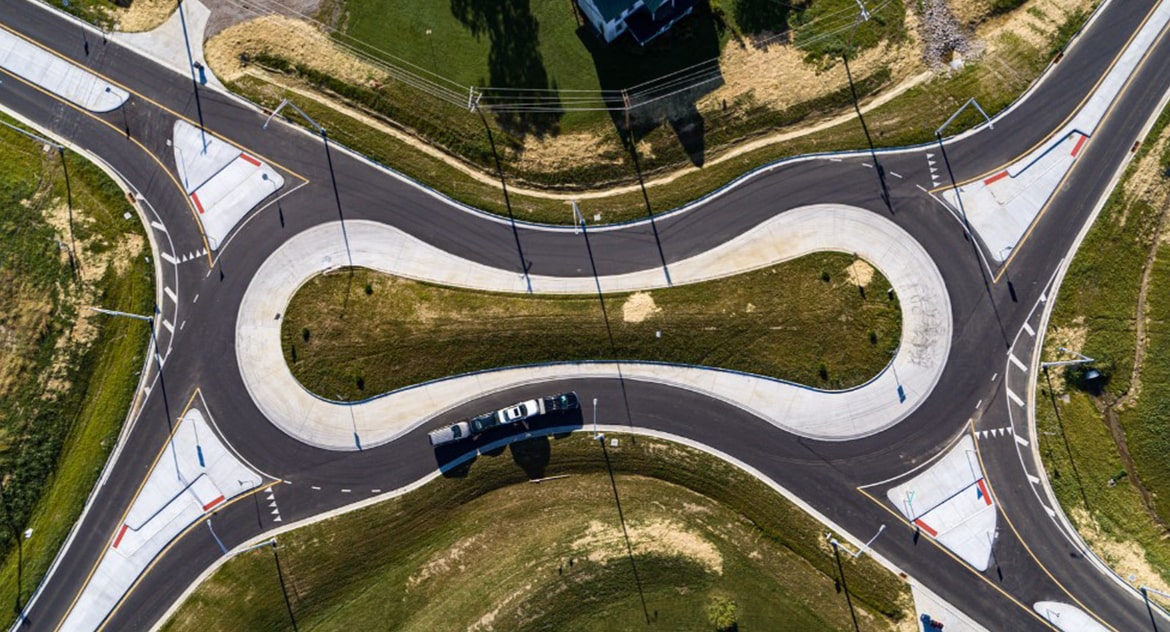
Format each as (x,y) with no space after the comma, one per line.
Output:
(824,320)
(67,376)
(704,538)
(1104,440)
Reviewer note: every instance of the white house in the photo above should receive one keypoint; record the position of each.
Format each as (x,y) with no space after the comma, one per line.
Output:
(644,19)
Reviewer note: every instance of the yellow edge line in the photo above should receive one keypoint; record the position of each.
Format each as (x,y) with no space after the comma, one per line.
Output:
(122,520)
(190,205)
(1088,141)
(146,98)
(965,565)
(172,543)
(991,490)
(1075,110)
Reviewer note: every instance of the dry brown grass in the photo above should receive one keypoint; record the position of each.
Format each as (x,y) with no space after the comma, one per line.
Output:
(142,15)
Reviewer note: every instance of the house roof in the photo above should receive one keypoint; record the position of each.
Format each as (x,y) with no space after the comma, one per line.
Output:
(612,9)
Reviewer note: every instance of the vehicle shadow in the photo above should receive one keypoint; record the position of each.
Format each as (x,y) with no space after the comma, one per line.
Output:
(529,446)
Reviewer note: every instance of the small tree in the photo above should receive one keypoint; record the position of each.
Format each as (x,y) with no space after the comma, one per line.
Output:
(721,614)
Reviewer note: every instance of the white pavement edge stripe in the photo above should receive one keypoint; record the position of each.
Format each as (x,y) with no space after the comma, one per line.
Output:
(1015,398)
(171,293)
(1016,361)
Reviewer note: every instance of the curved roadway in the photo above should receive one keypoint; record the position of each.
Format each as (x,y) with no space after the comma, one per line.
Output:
(1034,561)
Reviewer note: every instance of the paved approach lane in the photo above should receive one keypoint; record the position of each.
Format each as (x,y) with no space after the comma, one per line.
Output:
(984,314)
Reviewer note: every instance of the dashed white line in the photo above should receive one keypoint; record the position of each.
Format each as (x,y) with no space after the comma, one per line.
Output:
(896,175)
(1016,361)
(166,256)
(1015,398)
(182,325)
(345,491)
(1028,328)
(171,293)
(866,164)
(315,487)
(835,160)
(994,376)
(978,404)
(375,491)
(196,299)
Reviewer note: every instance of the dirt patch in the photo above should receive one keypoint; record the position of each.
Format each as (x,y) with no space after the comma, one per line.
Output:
(859,273)
(142,15)
(1127,558)
(445,561)
(639,307)
(294,40)
(1034,22)
(602,543)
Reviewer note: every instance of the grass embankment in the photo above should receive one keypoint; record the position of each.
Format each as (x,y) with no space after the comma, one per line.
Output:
(804,320)
(67,377)
(488,550)
(1105,444)
(1008,66)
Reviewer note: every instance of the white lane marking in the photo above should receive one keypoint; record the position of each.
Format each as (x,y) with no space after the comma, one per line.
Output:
(345,491)
(182,325)
(166,256)
(835,160)
(196,299)
(1022,441)
(978,404)
(375,491)
(896,175)
(922,188)
(1016,361)
(1035,480)
(1051,514)
(315,487)
(1028,328)
(168,325)
(1043,297)
(866,164)
(171,293)
(994,376)
(159,226)
(1015,398)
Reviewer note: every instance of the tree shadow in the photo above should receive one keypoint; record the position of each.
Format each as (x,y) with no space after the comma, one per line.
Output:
(514,62)
(765,22)
(660,83)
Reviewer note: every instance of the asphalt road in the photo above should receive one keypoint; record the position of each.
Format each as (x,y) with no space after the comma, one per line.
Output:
(1033,560)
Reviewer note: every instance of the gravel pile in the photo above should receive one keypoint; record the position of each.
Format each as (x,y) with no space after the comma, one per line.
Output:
(942,35)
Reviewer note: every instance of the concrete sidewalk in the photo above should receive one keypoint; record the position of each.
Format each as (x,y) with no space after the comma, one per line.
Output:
(195,474)
(167,46)
(843,415)
(54,74)
(1001,207)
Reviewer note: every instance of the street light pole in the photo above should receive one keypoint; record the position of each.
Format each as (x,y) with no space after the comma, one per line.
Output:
(194,79)
(881,173)
(328,159)
(1146,590)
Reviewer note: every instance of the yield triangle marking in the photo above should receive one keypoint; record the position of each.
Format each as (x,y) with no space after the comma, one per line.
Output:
(272,504)
(276,512)
(276,519)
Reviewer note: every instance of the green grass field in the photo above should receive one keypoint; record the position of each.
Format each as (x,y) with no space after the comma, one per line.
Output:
(1117,503)
(355,337)
(63,393)
(436,559)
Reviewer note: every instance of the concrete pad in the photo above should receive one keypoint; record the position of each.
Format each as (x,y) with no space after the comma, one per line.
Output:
(166,45)
(224,183)
(1002,206)
(195,474)
(951,502)
(828,415)
(929,604)
(1067,618)
(54,74)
